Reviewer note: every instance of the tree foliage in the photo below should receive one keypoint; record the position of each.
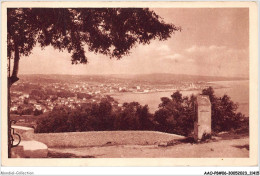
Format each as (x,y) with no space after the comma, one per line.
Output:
(134,116)
(97,117)
(109,31)
(175,115)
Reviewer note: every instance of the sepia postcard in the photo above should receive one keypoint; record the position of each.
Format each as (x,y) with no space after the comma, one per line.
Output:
(129,84)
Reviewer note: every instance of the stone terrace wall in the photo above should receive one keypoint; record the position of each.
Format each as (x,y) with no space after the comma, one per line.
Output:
(99,138)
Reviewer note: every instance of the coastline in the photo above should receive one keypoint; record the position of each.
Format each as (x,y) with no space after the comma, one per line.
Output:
(237,90)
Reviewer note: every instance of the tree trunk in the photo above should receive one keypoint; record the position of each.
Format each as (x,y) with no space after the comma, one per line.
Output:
(14,77)
(12,80)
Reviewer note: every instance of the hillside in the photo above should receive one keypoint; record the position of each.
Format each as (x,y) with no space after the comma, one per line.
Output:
(169,78)
(155,78)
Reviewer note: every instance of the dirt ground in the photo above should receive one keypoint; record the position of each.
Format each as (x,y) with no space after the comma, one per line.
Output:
(218,148)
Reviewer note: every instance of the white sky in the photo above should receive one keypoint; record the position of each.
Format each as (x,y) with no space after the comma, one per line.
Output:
(213,42)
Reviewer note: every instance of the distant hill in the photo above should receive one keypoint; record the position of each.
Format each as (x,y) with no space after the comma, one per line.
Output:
(168,78)
(155,78)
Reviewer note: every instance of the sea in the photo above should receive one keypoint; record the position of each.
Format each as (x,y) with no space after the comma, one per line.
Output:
(237,90)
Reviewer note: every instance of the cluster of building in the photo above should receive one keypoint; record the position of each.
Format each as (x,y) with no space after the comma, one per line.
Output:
(23,102)
(60,94)
(76,93)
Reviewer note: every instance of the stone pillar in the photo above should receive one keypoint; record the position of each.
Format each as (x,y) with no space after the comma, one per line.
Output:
(202,124)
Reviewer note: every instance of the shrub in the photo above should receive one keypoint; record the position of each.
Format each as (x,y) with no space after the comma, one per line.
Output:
(97,117)
(175,115)
(205,137)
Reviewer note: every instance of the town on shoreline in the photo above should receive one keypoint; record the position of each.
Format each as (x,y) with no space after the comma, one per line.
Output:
(41,93)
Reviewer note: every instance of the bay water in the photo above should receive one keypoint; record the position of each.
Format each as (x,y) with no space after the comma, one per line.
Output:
(237,90)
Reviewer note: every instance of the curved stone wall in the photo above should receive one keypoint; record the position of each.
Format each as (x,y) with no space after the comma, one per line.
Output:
(99,138)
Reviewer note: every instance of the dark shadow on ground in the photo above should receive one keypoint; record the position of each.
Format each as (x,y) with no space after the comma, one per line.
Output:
(233,135)
(66,155)
(242,146)
(191,140)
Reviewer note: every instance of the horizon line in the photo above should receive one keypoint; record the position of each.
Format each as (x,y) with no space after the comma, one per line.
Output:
(132,74)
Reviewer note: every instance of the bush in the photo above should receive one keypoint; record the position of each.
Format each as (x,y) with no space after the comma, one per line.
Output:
(97,117)
(205,137)
(175,115)
(37,112)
